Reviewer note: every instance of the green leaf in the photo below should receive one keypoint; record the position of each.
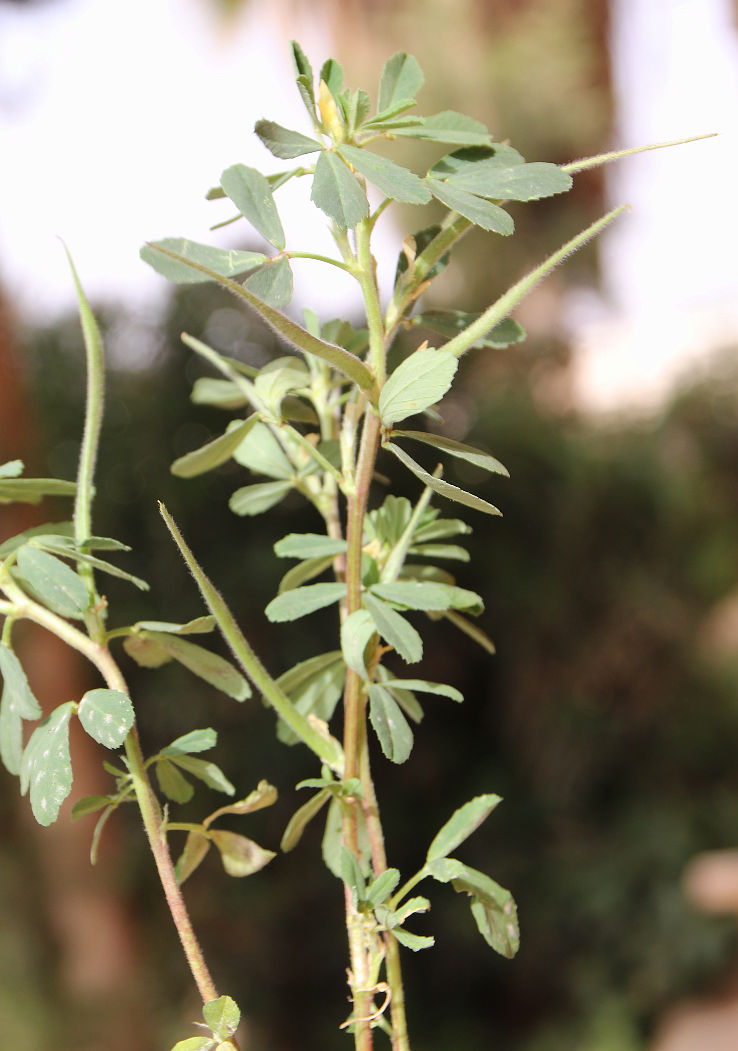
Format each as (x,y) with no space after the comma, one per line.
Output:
(201,662)
(425,687)
(390,178)
(291,605)
(263,795)
(407,701)
(283,142)
(46,765)
(427,595)
(53,582)
(482,213)
(418,382)
(194,741)
(492,907)
(441,529)
(31,490)
(89,805)
(225,262)
(413,941)
(390,725)
(67,548)
(451,492)
(313,685)
(301,818)
(252,195)
(205,771)
(198,626)
(402,78)
(14,542)
(107,716)
(278,378)
(304,571)
(258,498)
(394,629)
(292,333)
(224,394)
(449,323)
(11,736)
(215,452)
(273,284)
(195,1043)
(172,783)
(332,840)
(380,888)
(16,690)
(332,75)
(240,856)
(356,631)
(449,127)
(471,630)
(196,847)
(460,826)
(440,551)
(308,545)
(337,192)
(223,1016)
(502,178)
(302,64)
(260,451)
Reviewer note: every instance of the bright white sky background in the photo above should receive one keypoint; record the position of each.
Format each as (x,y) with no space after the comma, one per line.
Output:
(115,117)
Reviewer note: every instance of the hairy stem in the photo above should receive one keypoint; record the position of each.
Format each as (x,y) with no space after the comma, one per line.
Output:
(99,655)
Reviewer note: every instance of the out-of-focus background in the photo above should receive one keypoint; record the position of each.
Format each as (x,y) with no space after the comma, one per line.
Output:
(608,718)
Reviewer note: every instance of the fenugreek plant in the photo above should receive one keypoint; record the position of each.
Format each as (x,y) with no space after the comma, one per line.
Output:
(313,422)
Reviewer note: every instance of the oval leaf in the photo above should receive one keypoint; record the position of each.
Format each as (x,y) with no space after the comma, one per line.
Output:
(47,767)
(194,741)
(16,691)
(252,195)
(356,631)
(390,725)
(291,605)
(428,595)
(207,665)
(107,716)
(55,584)
(224,262)
(301,818)
(461,825)
(417,383)
(240,856)
(308,545)
(337,192)
(172,783)
(395,630)
(215,452)
(391,179)
(477,210)
(196,847)
(283,142)
(223,1016)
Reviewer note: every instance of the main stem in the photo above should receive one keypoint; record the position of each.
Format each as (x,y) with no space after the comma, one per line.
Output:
(355,738)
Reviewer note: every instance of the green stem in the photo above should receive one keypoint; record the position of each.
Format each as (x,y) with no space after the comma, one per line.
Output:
(318,259)
(500,309)
(100,656)
(327,749)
